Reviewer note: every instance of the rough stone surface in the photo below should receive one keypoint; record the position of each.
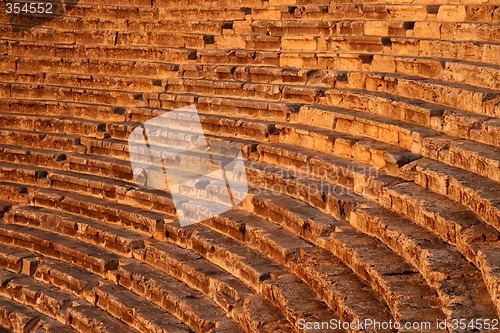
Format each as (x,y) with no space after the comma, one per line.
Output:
(370,134)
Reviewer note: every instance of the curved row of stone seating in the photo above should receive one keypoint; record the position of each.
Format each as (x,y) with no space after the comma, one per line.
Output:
(310,31)
(91,60)
(451,121)
(57,304)
(16,317)
(159,288)
(286,50)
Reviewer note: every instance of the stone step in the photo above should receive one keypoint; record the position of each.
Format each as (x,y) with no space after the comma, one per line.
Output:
(63,109)
(100,165)
(467,242)
(16,260)
(470,156)
(336,66)
(58,305)
(15,317)
(473,117)
(458,96)
(76,80)
(227,65)
(488,259)
(379,154)
(372,10)
(452,122)
(73,59)
(80,163)
(451,293)
(107,11)
(160,57)
(89,287)
(54,124)
(409,137)
(51,178)
(396,85)
(445,269)
(388,191)
(153,283)
(68,94)
(476,193)
(399,45)
(110,237)
(106,66)
(245,108)
(57,142)
(470,73)
(461,12)
(401,300)
(167,293)
(293,31)
(453,222)
(371,7)
(55,246)
(142,221)
(136,312)
(84,36)
(285,247)
(420,25)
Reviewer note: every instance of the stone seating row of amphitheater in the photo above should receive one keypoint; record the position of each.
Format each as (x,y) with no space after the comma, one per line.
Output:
(372,163)
(284,48)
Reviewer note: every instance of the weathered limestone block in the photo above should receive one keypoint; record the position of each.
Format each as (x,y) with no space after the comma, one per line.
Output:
(473,191)
(18,318)
(266,14)
(451,13)
(298,60)
(187,304)
(252,318)
(488,260)
(298,43)
(449,220)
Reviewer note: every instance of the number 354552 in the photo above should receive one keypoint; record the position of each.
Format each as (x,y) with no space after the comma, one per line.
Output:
(28,8)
